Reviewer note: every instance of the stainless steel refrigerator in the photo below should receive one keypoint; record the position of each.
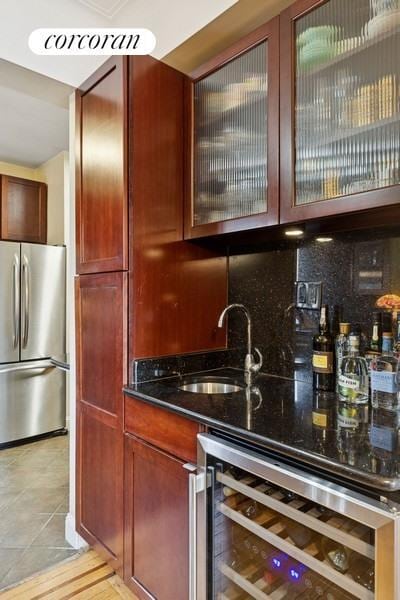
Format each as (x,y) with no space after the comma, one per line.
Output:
(32,330)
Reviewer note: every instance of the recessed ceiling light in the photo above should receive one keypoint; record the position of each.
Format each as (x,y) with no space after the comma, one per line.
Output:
(324,240)
(294,232)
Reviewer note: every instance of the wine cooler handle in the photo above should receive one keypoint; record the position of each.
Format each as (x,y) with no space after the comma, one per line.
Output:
(196,485)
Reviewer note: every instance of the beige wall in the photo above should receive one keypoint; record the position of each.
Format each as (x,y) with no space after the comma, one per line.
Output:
(20,171)
(52,172)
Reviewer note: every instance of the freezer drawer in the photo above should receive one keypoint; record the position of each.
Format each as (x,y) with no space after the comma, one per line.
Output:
(32,400)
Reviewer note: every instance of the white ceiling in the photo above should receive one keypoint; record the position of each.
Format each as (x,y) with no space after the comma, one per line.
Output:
(33,116)
(172,22)
(34,90)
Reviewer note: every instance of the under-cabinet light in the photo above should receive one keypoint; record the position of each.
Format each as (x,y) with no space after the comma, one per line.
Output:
(324,240)
(294,232)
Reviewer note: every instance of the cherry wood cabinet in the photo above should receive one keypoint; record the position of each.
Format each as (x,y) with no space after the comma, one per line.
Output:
(101,329)
(233,142)
(340,108)
(101,170)
(156,500)
(171,281)
(23,210)
(157,517)
(141,289)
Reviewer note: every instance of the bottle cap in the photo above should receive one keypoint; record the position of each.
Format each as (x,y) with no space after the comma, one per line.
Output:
(354,340)
(387,334)
(344,328)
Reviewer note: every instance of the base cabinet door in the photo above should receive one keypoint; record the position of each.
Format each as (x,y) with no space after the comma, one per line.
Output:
(156,523)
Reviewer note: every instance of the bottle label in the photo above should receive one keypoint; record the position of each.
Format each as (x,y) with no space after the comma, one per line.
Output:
(383,437)
(322,362)
(320,419)
(348,422)
(349,383)
(384,381)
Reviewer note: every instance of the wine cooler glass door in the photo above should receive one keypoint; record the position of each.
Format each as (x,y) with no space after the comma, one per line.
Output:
(274,532)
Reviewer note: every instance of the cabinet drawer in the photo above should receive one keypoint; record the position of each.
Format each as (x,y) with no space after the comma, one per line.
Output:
(163,429)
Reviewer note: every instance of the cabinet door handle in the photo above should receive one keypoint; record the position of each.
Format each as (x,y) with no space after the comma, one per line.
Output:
(196,485)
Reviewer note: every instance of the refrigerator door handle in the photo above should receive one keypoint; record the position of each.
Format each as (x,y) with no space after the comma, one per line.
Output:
(16,298)
(29,367)
(25,303)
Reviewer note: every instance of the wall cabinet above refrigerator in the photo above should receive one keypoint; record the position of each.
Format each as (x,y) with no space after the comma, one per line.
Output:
(23,210)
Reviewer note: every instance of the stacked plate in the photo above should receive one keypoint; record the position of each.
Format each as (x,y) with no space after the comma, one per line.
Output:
(317,45)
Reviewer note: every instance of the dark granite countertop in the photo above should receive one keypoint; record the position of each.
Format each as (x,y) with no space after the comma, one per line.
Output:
(286,416)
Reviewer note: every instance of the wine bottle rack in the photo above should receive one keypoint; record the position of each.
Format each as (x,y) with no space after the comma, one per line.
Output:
(348,540)
(266,528)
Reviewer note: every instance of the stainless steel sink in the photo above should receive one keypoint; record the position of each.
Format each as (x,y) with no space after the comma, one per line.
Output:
(210,385)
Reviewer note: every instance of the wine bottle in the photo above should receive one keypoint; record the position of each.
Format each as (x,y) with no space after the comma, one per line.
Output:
(323,355)
(336,554)
(376,338)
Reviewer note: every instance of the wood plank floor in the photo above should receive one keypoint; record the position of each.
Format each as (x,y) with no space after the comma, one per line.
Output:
(83,578)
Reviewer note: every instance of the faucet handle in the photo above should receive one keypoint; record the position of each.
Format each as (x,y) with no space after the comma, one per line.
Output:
(255,367)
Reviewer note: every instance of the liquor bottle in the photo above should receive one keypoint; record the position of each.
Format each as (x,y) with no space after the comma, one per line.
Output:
(323,355)
(376,338)
(353,375)
(397,340)
(387,323)
(341,346)
(384,377)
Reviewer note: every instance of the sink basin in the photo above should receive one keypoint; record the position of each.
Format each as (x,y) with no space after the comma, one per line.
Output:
(210,385)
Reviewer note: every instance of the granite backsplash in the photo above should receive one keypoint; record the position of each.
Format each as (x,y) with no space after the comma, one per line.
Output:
(355,270)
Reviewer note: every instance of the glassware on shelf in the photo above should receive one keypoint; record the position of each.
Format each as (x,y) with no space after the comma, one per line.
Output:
(347,117)
(230,145)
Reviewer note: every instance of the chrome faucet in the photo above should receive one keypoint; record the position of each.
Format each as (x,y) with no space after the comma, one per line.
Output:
(250,365)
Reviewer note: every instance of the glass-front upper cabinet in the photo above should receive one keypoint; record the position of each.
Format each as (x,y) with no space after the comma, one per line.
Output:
(234,138)
(340,106)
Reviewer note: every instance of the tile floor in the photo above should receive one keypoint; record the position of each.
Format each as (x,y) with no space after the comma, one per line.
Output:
(33,507)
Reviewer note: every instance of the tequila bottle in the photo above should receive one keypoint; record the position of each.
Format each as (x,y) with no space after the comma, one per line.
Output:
(353,375)
(385,377)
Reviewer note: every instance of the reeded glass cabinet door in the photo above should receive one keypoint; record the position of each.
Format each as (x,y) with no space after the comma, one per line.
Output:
(345,125)
(231,136)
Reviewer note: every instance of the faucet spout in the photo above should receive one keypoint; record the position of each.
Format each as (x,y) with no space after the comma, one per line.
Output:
(250,365)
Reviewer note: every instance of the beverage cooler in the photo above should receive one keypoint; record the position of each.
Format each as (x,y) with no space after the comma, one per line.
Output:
(265,529)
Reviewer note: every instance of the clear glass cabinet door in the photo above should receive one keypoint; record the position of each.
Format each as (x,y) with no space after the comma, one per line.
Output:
(230,139)
(347,99)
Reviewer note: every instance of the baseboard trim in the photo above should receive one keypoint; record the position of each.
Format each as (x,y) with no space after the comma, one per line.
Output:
(71,535)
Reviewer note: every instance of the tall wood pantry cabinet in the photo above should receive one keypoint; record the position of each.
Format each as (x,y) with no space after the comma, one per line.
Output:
(140,289)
